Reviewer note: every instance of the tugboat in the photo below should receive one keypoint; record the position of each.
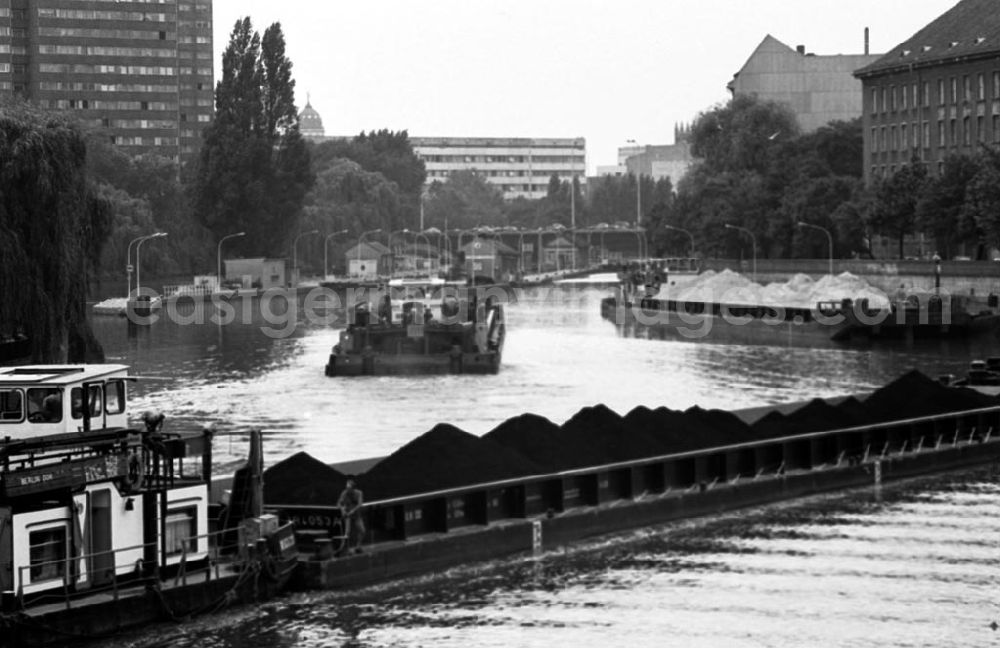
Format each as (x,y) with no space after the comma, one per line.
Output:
(105,526)
(439,328)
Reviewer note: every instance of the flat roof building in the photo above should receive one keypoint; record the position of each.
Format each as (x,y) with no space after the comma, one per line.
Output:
(518,166)
(935,94)
(140,71)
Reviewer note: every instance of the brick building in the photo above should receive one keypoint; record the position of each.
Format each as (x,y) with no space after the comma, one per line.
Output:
(936,94)
(139,70)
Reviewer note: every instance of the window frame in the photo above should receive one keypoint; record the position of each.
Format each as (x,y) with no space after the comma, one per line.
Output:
(4,420)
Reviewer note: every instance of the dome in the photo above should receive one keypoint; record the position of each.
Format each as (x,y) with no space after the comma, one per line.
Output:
(310,123)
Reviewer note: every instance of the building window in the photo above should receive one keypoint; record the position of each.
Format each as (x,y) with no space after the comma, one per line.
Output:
(942,98)
(11,406)
(885,100)
(996,85)
(904,97)
(181,532)
(905,144)
(881,140)
(874,140)
(893,139)
(954,89)
(966,131)
(996,128)
(927,93)
(980,129)
(952,132)
(981,87)
(941,141)
(915,135)
(966,88)
(927,135)
(892,98)
(916,96)
(47,554)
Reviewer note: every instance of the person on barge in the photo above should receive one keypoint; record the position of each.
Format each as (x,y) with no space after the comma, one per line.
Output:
(350,501)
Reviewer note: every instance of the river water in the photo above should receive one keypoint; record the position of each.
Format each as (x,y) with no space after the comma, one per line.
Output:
(914,564)
(560,356)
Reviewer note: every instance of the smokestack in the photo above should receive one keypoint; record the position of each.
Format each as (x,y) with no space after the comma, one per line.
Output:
(801,49)
(866,41)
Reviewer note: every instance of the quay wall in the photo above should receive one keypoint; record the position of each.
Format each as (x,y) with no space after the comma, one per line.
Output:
(977,278)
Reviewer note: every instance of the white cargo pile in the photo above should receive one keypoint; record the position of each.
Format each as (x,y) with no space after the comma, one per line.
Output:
(800,291)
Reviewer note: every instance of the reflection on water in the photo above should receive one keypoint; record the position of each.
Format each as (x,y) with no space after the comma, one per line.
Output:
(560,356)
(915,566)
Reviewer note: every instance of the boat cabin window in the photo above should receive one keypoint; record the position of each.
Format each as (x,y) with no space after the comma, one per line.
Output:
(114,397)
(95,401)
(45,405)
(11,406)
(47,554)
(181,530)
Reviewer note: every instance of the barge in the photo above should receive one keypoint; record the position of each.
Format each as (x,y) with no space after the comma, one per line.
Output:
(104,526)
(438,328)
(779,457)
(827,324)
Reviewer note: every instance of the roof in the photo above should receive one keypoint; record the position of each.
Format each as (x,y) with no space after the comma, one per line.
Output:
(310,120)
(558,242)
(970,29)
(491,247)
(368,247)
(57,374)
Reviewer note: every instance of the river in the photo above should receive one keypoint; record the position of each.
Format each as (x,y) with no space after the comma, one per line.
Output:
(914,564)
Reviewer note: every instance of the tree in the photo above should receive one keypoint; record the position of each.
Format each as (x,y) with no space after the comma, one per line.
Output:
(52,227)
(895,206)
(254,168)
(940,211)
(465,200)
(982,202)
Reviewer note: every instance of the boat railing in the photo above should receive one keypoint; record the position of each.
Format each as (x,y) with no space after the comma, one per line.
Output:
(193,565)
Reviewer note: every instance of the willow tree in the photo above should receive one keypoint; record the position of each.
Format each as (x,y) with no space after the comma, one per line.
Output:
(254,169)
(52,227)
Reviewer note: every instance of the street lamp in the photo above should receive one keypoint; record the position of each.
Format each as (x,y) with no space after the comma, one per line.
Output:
(138,247)
(326,251)
(392,250)
(828,236)
(690,235)
(753,240)
(218,257)
(361,239)
(295,253)
(128,261)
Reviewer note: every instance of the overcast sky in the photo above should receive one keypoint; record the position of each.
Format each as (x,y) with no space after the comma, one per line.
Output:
(606,70)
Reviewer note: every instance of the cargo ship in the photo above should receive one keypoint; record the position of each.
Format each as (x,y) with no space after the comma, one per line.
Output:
(104,526)
(826,324)
(423,327)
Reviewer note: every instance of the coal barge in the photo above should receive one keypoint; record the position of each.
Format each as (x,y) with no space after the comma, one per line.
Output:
(449,497)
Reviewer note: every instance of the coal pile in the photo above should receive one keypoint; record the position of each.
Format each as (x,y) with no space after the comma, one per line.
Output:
(717,427)
(914,394)
(599,436)
(534,437)
(445,457)
(302,479)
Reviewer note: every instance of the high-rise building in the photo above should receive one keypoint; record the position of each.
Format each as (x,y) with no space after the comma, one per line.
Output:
(138,70)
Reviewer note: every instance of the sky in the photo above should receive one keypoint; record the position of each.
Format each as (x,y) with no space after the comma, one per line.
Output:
(606,70)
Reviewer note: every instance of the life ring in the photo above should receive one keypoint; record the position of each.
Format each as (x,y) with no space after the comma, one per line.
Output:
(135,476)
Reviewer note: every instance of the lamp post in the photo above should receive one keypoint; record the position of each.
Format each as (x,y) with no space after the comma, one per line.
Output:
(326,251)
(128,261)
(138,247)
(361,239)
(753,241)
(295,253)
(829,238)
(690,235)
(218,257)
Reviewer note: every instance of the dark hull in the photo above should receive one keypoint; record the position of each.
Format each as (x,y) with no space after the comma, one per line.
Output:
(412,364)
